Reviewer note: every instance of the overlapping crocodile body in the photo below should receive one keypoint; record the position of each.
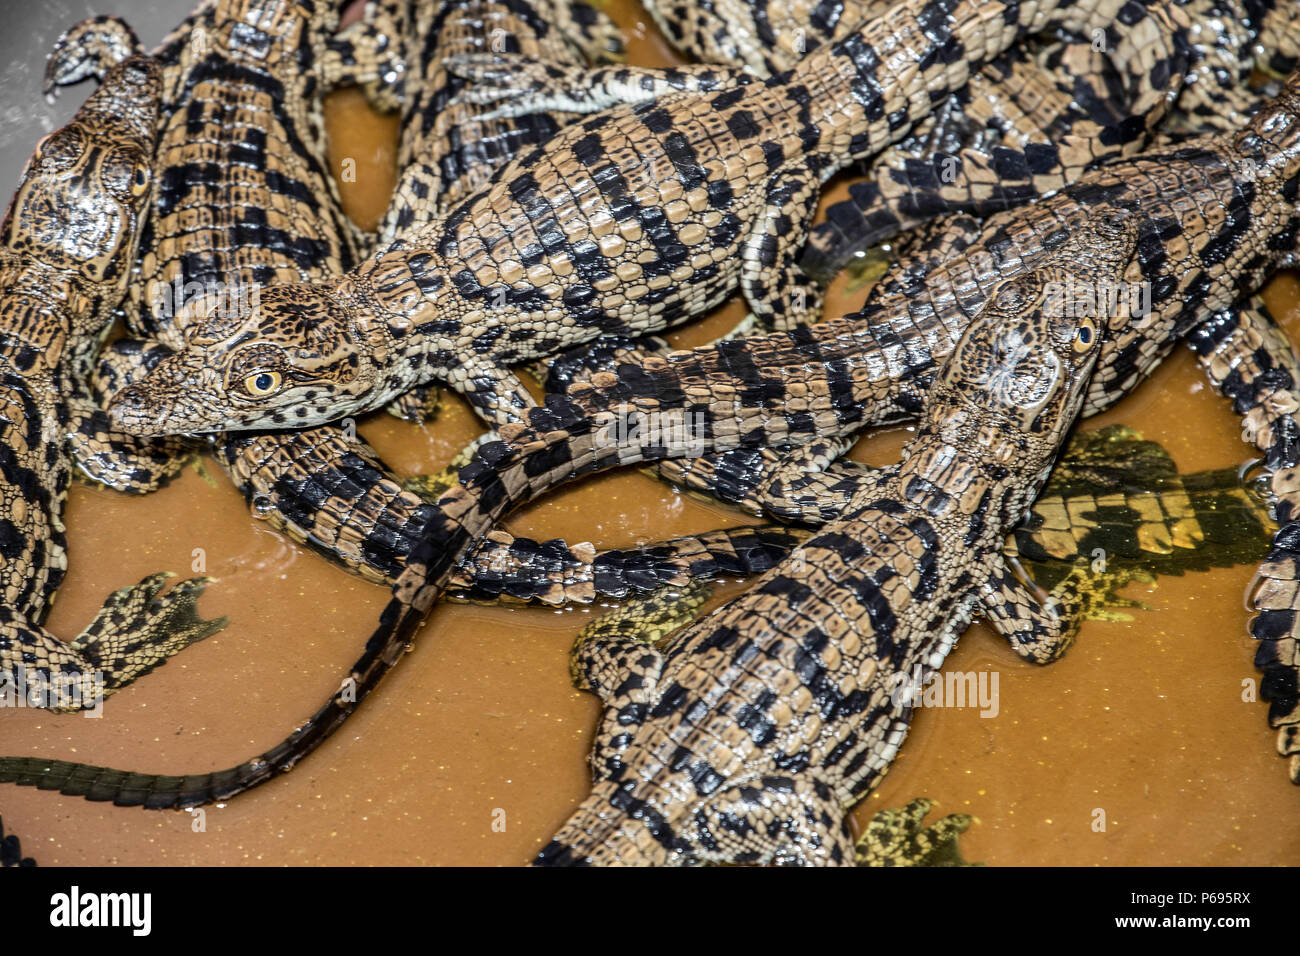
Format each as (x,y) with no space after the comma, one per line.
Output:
(243,200)
(747,736)
(632,220)
(1212,218)
(66,247)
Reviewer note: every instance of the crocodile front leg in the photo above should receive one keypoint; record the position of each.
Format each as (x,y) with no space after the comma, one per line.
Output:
(134,632)
(119,461)
(1038,632)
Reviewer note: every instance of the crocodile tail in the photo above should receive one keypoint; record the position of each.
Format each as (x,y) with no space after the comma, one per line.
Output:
(558,443)
(401,619)
(464,514)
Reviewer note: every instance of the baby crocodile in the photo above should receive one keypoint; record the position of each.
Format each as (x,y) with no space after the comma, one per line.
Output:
(66,248)
(1034,400)
(1220,215)
(1214,217)
(1088,115)
(243,198)
(746,738)
(1025,124)
(634,219)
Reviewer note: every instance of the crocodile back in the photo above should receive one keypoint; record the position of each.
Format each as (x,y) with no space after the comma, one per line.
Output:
(242,198)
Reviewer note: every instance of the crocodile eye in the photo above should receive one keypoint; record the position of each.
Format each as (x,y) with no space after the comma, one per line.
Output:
(125,172)
(1017,294)
(1009,299)
(263,383)
(1085,335)
(140,181)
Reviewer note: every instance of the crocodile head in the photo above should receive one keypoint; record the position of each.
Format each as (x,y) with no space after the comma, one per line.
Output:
(282,356)
(1022,365)
(84,191)
(999,410)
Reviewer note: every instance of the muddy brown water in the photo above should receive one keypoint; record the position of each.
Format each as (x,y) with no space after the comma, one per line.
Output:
(1142,727)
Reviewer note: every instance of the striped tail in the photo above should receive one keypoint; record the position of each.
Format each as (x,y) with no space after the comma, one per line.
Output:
(414,595)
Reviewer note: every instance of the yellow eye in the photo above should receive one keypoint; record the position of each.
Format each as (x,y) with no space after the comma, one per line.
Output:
(263,383)
(140,181)
(1085,335)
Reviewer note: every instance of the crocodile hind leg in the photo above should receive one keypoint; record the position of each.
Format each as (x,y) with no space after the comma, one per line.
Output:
(1038,632)
(897,838)
(613,657)
(779,292)
(135,631)
(87,49)
(616,647)
(560,372)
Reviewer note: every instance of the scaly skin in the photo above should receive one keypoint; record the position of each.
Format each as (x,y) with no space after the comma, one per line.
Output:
(1025,421)
(1024,126)
(513,569)
(448,150)
(633,220)
(1110,491)
(1220,216)
(243,199)
(746,738)
(66,247)
(1251,361)
(1085,117)
(1214,217)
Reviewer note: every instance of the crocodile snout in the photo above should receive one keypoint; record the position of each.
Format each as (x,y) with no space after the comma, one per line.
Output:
(132,411)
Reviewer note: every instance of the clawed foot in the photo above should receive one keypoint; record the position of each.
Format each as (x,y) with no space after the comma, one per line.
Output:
(89,48)
(897,838)
(136,630)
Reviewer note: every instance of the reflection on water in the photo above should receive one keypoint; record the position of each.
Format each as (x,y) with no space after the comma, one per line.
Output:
(1137,748)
